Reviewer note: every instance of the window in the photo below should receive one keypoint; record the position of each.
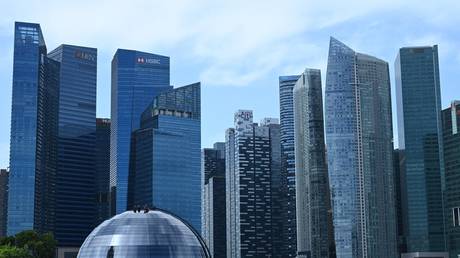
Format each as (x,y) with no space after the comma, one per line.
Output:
(456,216)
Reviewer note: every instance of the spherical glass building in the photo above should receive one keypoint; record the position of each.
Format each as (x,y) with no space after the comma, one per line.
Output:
(144,234)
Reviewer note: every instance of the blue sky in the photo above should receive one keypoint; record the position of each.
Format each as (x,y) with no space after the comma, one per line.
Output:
(237,48)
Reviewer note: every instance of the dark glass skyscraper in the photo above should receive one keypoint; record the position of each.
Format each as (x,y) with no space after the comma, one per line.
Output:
(33,132)
(275,183)
(451,141)
(248,188)
(312,184)
(360,153)
(288,213)
(137,77)
(165,166)
(75,188)
(398,162)
(102,169)
(3,200)
(213,227)
(420,136)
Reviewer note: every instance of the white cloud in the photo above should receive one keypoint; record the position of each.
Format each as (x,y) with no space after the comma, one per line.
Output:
(237,42)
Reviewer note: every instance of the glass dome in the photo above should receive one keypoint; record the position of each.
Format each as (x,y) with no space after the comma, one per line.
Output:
(155,233)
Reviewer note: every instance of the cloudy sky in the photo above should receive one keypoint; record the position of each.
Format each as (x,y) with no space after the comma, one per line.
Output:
(237,48)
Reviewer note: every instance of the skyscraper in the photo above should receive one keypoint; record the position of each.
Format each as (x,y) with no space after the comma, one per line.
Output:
(360,153)
(420,136)
(165,166)
(33,132)
(398,162)
(102,169)
(451,141)
(137,77)
(75,188)
(288,213)
(214,227)
(3,200)
(248,183)
(312,183)
(275,183)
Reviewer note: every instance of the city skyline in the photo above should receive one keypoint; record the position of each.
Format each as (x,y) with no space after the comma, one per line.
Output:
(256,62)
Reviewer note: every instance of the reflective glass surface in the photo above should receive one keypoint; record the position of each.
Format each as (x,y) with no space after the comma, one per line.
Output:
(418,99)
(29,52)
(137,77)
(288,233)
(139,235)
(74,207)
(360,147)
(166,156)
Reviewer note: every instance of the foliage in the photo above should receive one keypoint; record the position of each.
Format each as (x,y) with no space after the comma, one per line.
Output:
(8,251)
(35,244)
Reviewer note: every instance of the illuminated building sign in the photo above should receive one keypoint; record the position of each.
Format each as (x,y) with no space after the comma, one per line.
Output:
(85,56)
(142,60)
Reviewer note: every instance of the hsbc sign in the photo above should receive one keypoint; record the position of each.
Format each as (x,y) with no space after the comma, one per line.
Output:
(142,60)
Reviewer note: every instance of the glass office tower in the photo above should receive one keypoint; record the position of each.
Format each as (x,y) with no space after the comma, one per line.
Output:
(288,233)
(165,166)
(360,148)
(75,188)
(137,77)
(451,140)
(102,169)
(312,183)
(248,182)
(213,227)
(420,136)
(33,132)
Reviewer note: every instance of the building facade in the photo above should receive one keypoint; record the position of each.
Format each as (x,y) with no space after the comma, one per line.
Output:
(288,213)
(360,153)
(102,177)
(248,188)
(3,200)
(75,188)
(33,140)
(451,141)
(420,136)
(400,200)
(213,229)
(277,197)
(137,77)
(312,183)
(165,167)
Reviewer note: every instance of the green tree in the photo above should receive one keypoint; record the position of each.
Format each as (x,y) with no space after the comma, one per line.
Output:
(7,251)
(35,244)
(39,245)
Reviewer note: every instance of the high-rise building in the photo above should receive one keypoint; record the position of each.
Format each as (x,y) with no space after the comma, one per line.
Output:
(34,117)
(213,227)
(275,182)
(420,136)
(398,162)
(3,200)
(102,169)
(248,188)
(451,141)
(165,166)
(312,183)
(137,77)
(360,153)
(75,177)
(288,234)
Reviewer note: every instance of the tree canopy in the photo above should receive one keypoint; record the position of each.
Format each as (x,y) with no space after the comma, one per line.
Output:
(27,244)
